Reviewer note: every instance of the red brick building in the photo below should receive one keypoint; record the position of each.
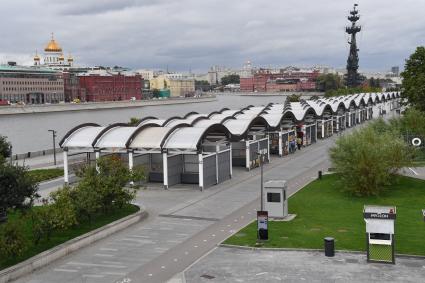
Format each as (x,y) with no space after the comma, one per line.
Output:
(110,86)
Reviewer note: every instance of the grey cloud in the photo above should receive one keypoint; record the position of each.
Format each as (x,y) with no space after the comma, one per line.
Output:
(198,34)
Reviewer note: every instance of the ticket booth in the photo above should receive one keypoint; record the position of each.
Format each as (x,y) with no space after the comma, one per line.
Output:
(380,222)
(275,198)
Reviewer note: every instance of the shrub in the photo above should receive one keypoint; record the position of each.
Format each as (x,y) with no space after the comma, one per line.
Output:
(12,240)
(106,187)
(63,208)
(367,159)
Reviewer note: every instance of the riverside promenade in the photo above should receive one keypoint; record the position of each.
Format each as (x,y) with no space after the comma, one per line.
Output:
(62,107)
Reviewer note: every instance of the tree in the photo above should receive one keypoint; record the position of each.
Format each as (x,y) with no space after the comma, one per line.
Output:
(5,149)
(327,82)
(294,97)
(367,160)
(155,92)
(18,189)
(414,79)
(134,121)
(230,79)
(108,183)
(63,208)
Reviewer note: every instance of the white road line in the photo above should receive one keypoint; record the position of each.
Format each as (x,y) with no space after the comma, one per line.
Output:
(175,260)
(186,253)
(414,172)
(195,246)
(205,240)
(108,249)
(140,236)
(65,270)
(114,273)
(112,262)
(93,275)
(96,265)
(104,255)
(150,274)
(213,235)
(163,267)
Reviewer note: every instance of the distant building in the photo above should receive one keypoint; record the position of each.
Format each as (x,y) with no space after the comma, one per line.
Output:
(53,57)
(30,85)
(146,74)
(107,85)
(178,86)
(395,70)
(288,79)
(181,87)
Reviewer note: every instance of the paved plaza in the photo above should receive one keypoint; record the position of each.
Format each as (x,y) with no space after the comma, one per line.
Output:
(244,265)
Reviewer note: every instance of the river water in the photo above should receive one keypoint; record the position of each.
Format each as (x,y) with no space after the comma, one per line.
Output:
(29,132)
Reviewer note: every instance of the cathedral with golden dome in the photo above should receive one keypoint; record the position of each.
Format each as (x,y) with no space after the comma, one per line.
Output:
(53,56)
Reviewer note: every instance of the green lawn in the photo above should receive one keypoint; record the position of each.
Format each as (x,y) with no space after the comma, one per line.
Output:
(63,236)
(324,210)
(41,175)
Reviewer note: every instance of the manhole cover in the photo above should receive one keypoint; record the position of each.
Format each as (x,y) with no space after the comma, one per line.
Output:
(206,276)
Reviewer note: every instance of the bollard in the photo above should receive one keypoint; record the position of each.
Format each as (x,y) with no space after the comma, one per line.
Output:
(329,246)
(320,175)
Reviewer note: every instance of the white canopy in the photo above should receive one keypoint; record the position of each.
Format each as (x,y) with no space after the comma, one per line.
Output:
(83,137)
(150,138)
(115,138)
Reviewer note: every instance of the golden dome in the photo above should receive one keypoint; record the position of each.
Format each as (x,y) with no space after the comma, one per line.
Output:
(61,57)
(53,46)
(36,57)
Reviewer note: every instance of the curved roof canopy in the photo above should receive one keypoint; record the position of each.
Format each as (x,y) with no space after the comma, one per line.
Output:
(187,132)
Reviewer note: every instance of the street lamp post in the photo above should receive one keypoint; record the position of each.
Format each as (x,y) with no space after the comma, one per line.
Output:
(260,154)
(54,145)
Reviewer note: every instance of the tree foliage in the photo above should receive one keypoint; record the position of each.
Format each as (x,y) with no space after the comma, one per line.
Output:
(5,149)
(294,97)
(328,82)
(414,79)
(134,121)
(230,79)
(18,190)
(106,184)
(12,240)
(155,92)
(367,159)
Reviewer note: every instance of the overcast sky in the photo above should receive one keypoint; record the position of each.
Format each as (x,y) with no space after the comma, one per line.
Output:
(196,34)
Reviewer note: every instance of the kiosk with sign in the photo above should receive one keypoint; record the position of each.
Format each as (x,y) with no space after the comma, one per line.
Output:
(275,198)
(262,225)
(380,222)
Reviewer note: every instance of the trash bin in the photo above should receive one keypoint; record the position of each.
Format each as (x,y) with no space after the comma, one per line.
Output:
(320,175)
(329,246)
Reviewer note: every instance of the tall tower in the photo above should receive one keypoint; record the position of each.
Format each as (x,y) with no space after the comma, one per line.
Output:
(352,78)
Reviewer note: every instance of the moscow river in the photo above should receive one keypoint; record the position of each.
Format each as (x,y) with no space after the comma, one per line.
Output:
(29,132)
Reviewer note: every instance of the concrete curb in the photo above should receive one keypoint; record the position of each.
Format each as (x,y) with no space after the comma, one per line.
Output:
(309,250)
(36,262)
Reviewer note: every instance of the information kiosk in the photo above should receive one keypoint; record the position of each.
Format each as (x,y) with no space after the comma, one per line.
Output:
(275,198)
(380,233)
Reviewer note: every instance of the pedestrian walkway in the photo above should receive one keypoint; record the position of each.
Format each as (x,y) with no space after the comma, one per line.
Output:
(244,265)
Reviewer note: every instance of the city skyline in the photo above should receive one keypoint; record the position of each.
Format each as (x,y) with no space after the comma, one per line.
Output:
(161,34)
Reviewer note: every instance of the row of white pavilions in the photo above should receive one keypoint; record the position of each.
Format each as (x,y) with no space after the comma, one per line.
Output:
(202,148)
